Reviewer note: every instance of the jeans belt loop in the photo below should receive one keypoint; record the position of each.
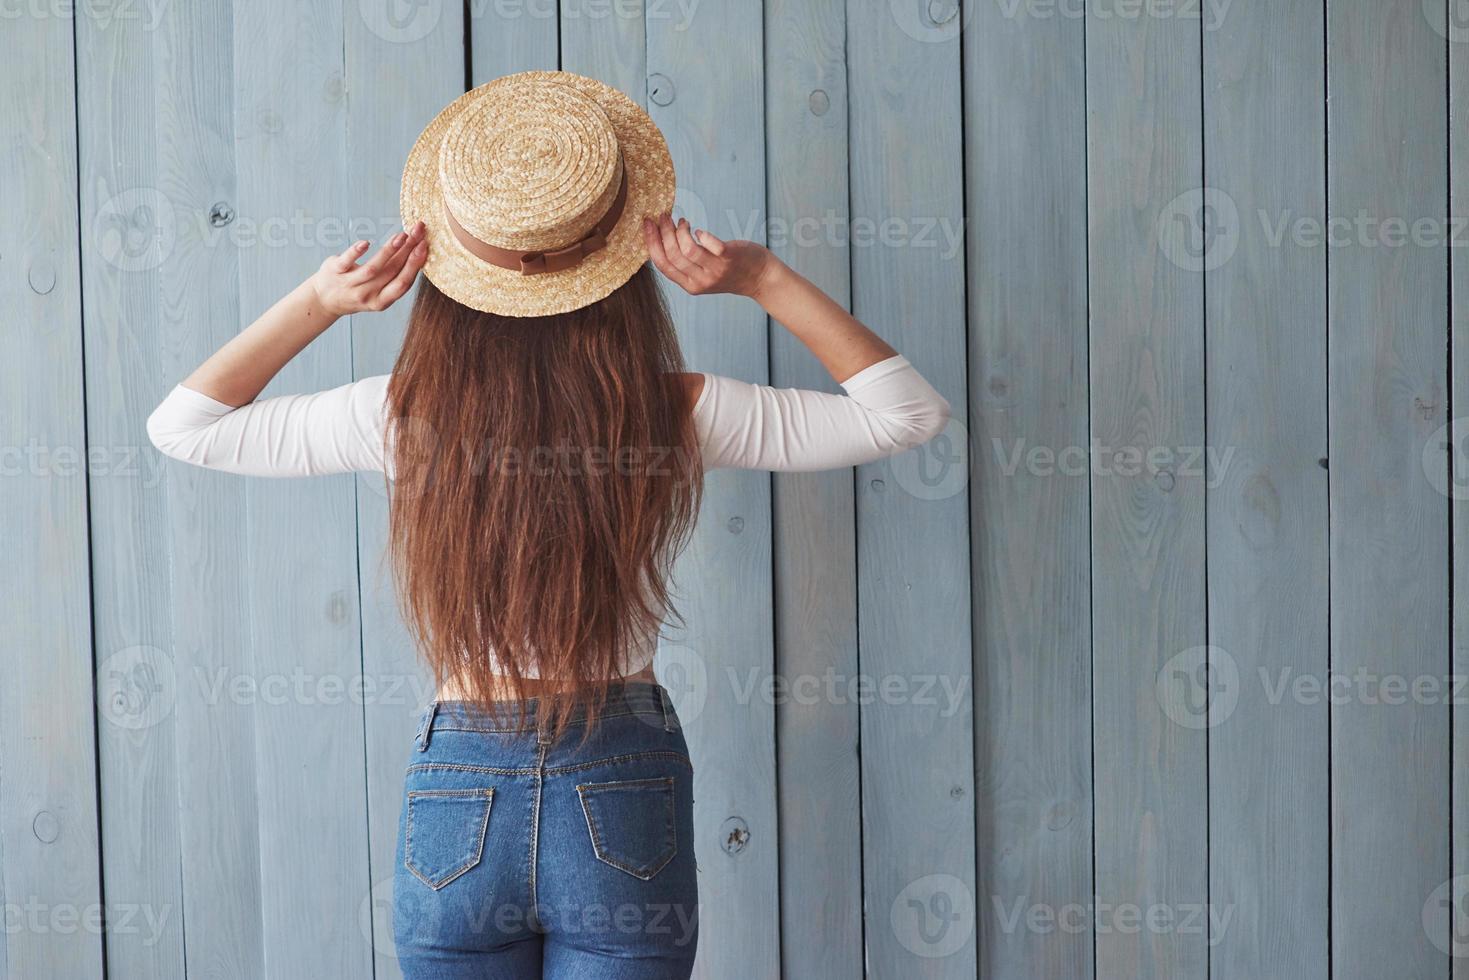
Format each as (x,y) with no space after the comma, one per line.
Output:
(425,729)
(667,709)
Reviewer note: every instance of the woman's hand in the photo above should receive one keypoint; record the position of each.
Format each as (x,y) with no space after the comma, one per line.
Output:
(343,287)
(703,264)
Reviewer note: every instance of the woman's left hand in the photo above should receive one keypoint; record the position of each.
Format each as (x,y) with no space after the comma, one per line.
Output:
(343,287)
(700,263)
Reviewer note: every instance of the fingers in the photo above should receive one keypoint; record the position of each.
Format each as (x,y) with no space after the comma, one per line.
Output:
(653,238)
(676,257)
(346,260)
(399,285)
(711,244)
(373,267)
(690,248)
(385,263)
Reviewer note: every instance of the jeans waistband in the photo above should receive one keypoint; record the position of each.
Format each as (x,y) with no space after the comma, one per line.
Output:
(508,717)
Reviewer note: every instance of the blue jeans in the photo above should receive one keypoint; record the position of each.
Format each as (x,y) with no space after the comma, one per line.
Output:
(522,858)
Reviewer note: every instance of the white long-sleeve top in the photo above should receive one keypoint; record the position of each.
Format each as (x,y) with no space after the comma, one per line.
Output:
(888,407)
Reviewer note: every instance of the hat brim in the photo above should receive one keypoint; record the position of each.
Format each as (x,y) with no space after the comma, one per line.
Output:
(470,280)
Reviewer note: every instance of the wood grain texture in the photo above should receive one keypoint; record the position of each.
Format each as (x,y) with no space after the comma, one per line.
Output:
(1265,322)
(48,813)
(155,123)
(48,808)
(1453,445)
(609,42)
(509,35)
(709,104)
(912,511)
(399,77)
(196,305)
(1089,230)
(1147,374)
(1025,136)
(815,572)
(290,146)
(1389,527)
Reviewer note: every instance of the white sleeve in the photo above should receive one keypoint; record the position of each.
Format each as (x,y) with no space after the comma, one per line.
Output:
(335,431)
(888,407)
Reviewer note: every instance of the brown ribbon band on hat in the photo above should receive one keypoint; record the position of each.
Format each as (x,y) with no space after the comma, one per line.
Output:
(557,260)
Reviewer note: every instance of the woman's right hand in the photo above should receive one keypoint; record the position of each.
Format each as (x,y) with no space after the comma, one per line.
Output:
(343,287)
(701,263)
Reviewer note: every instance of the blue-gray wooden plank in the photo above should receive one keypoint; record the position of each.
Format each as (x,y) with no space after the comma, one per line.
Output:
(1265,320)
(4,949)
(1025,149)
(400,73)
(1147,397)
(194,215)
(156,153)
(1387,156)
(1447,467)
(908,266)
(815,583)
(48,808)
(292,171)
(514,35)
(706,93)
(609,42)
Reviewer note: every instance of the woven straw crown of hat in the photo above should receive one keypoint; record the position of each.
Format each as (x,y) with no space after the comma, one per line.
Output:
(533,188)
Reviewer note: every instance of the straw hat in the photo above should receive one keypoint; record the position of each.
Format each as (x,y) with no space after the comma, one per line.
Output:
(533,188)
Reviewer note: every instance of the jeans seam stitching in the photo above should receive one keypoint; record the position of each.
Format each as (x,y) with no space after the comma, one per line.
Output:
(553,770)
(597,845)
(522,729)
(535,833)
(630,757)
(487,793)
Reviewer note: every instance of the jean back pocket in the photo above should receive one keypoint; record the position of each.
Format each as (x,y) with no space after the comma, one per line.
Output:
(445,832)
(632,823)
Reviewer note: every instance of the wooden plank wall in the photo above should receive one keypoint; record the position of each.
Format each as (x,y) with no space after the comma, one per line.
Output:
(1267,520)
(707,95)
(1148,667)
(1388,394)
(1027,313)
(906,173)
(402,66)
(815,571)
(49,832)
(1456,471)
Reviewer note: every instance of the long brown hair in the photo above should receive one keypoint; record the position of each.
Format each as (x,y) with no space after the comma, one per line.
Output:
(546,476)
